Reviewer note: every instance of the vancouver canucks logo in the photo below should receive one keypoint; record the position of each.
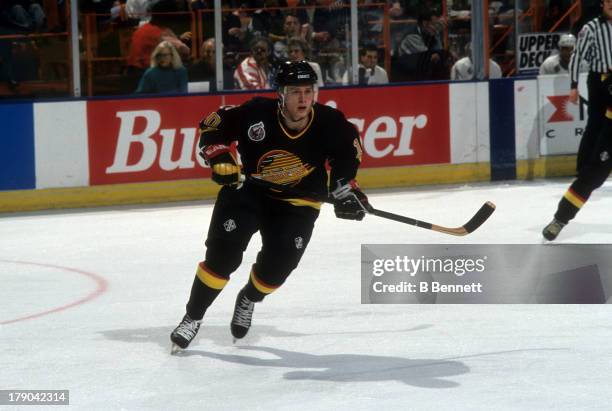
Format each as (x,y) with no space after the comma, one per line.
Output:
(257,132)
(283,167)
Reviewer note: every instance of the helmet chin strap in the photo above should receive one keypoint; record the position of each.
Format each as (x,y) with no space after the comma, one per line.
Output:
(281,103)
(281,99)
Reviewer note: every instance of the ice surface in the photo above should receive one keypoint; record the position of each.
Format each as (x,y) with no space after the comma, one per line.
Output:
(89,298)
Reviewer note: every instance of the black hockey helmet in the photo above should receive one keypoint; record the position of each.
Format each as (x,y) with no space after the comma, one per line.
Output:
(295,73)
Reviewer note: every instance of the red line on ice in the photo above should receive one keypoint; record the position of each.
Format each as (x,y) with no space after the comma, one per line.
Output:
(101,286)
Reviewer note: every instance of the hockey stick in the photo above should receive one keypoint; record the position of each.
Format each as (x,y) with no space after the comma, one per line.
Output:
(476,221)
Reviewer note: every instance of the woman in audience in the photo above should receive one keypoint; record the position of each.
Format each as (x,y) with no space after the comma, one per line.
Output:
(166,73)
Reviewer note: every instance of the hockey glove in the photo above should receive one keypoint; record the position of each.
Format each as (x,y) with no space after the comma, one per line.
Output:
(350,202)
(225,169)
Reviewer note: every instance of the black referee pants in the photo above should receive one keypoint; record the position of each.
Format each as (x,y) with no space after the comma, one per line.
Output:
(596,112)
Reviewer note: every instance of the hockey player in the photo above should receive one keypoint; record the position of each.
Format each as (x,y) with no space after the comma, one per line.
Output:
(595,47)
(559,63)
(592,175)
(463,69)
(285,141)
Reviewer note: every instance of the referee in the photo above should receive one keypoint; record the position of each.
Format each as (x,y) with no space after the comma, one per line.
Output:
(594,46)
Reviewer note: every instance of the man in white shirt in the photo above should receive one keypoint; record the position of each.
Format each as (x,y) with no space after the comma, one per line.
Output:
(369,71)
(559,63)
(463,69)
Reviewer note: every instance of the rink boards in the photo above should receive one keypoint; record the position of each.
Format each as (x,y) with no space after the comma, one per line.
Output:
(113,151)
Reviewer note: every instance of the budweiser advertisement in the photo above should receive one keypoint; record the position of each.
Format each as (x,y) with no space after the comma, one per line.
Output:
(155,139)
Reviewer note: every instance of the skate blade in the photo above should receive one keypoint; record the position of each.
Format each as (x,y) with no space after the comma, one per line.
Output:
(236,340)
(175,349)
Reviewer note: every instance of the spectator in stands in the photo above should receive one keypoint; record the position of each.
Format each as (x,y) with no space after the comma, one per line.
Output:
(267,18)
(253,73)
(102,8)
(330,20)
(291,28)
(146,38)
(329,17)
(370,23)
(139,10)
(369,71)
(132,11)
(205,69)
(298,50)
(6,52)
(194,5)
(463,69)
(412,8)
(554,11)
(422,37)
(6,60)
(305,11)
(166,73)
(589,9)
(25,15)
(420,55)
(235,30)
(506,12)
(19,58)
(559,63)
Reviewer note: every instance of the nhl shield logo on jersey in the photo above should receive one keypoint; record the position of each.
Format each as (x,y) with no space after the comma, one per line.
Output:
(299,243)
(257,132)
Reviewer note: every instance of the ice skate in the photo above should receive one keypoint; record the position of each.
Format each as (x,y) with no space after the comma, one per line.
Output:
(184,333)
(552,230)
(243,313)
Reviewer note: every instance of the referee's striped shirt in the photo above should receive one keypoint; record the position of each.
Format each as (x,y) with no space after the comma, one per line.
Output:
(594,46)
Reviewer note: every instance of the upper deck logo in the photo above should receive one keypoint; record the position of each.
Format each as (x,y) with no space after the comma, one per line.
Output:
(257,132)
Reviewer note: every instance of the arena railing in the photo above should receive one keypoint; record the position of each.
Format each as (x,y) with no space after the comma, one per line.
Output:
(53,71)
(39,62)
(106,45)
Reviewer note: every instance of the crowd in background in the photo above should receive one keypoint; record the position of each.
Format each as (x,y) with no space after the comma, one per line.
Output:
(161,57)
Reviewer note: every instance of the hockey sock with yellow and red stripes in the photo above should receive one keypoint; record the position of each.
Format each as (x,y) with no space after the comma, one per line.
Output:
(207,285)
(572,201)
(257,289)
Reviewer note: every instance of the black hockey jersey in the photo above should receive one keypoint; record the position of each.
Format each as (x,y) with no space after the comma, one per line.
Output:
(271,151)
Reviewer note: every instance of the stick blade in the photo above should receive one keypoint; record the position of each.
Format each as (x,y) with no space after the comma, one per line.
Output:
(480,217)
